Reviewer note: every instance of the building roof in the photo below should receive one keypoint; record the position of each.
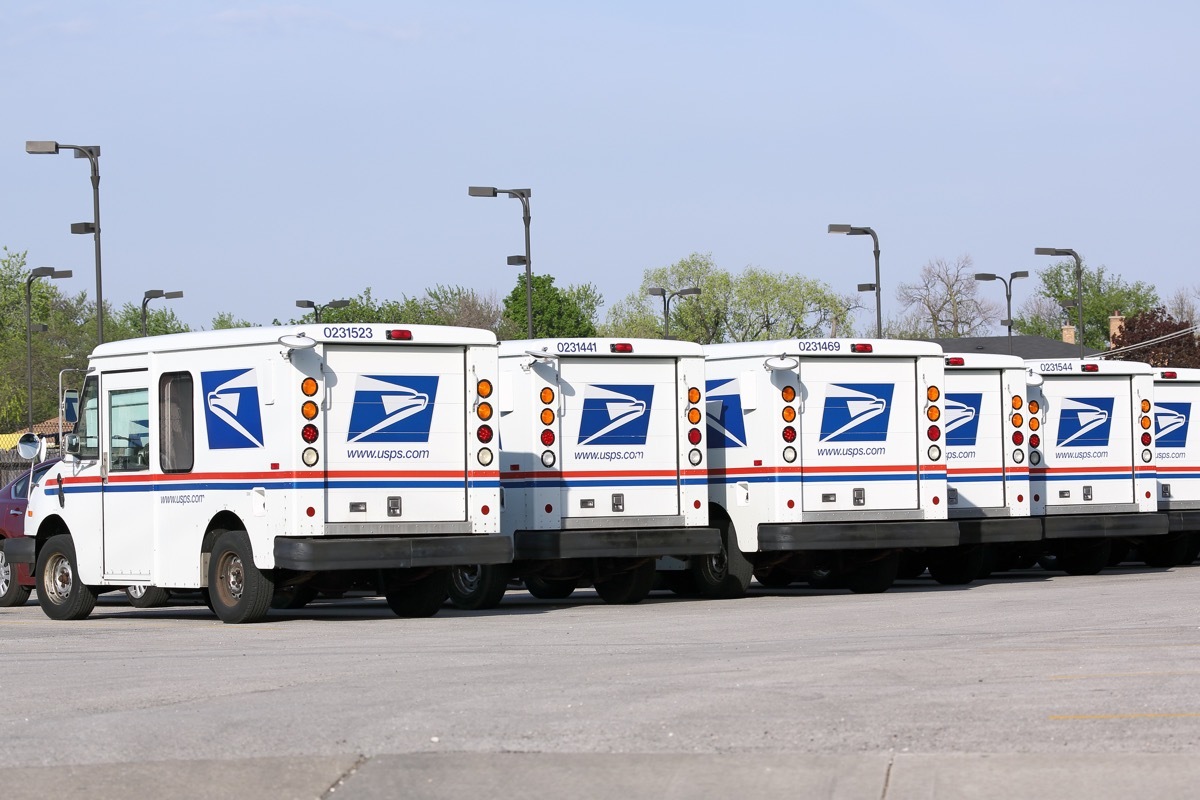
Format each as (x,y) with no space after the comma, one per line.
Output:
(1023,346)
(46,428)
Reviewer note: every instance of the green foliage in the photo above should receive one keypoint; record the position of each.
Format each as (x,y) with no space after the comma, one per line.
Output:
(556,312)
(756,305)
(1103,293)
(225,320)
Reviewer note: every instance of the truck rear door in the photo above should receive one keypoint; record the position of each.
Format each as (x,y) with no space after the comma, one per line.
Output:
(974,423)
(395,442)
(1089,422)
(620,428)
(858,434)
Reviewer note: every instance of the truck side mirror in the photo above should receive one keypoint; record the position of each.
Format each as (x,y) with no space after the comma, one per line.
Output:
(71,444)
(70,406)
(31,447)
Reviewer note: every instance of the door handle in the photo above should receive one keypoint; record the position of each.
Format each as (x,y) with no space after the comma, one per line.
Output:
(12,512)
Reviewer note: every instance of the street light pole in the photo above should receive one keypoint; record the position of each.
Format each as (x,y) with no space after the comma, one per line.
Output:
(1063,251)
(987,276)
(523,195)
(852,230)
(317,309)
(154,294)
(92,154)
(34,274)
(667,297)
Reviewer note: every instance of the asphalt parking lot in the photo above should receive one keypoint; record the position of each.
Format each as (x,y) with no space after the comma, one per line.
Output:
(1029,684)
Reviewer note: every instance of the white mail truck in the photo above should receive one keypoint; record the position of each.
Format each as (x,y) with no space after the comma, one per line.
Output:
(826,460)
(1177,455)
(988,428)
(603,470)
(1092,467)
(259,461)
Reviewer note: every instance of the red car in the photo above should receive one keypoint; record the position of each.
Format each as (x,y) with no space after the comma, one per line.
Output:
(15,579)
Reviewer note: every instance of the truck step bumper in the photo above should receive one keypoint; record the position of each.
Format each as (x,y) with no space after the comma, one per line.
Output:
(775,537)
(616,543)
(320,554)
(997,530)
(1082,526)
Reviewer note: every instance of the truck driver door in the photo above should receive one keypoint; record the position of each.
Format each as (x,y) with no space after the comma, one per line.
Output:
(125,451)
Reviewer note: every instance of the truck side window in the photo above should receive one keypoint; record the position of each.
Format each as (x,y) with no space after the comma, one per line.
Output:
(129,430)
(88,426)
(176,436)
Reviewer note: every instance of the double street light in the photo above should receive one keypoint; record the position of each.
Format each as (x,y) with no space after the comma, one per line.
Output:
(516,261)
(34,274)
(1061,252)
(154,294)
(852,230)
(92,154)
(987,276)
(667,297)
(317,309)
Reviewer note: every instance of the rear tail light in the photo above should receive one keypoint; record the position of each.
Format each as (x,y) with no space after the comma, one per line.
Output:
(862,348)
(309,433)
(1018,437)
(1169,375)
(398,335)
(547,437)
(1035,441)
(1146,438)
(694,436)
(789,434)
(1090,368)
(934,433)
(621,347)
(484,434)
(955,361)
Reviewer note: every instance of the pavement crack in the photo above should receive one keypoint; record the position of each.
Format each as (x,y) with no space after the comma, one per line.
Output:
(333,787)
(887,774)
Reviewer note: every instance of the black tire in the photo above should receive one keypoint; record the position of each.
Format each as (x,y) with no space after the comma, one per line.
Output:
(1193,548)
(989,563)
(680,581)
(240,592)
(1083,556)
(550,588)
(776,577)
(875,576)
(147,596)
(627,587)
(477,587)
(294,597)
(958,566)
(724,575)
(1118,552)
(419,596)
(12,593)
(1164,551)
(912,565)
(60,592)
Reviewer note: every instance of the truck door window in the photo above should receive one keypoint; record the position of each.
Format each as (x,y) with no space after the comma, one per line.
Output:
(129,430)
(176,436)
(88,426)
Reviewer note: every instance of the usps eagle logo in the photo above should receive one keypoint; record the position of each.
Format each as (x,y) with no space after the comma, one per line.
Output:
(392,408)
(615,415)
(962,418)
(857,412)
(723,406)
(1171,424)
(1085,421)
(232,414)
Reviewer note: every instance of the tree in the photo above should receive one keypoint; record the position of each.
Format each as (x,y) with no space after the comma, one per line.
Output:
(756,305)
(126,323)
(1179,351)
(225,320)
(944,303)
(1103,293)
(556,312)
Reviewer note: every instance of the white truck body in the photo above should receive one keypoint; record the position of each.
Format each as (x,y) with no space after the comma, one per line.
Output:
(334,447)
(828,444)
(987,448)
(1092,473)
(595,459)
(1177,447)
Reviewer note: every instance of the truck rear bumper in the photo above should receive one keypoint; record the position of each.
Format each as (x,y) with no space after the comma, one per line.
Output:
(320,554)
(615,543)
(19,549)
(773,537)
(1184,520)
(996,530)
(1082,526)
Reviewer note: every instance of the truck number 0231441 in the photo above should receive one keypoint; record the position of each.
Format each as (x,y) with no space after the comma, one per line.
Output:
(576,347)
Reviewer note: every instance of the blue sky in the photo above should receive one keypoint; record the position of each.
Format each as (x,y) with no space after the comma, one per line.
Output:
(257,153)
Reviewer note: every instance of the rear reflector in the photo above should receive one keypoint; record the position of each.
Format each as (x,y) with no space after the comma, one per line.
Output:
(399,335)
(621,347)
(1170,375)
(1090,368)
(862,348)
(955,361)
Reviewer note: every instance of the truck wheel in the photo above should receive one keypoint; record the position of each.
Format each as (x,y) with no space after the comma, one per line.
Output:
(989,563)
(60,592)
(477,587)
(1165,551)
(1193,548)
(725,574)
(912,565)
(550,588)
(628,587)
(1083,556)
(873,577)
(958,566)
(147,596)
(239,591)
(420,597)
(12,593)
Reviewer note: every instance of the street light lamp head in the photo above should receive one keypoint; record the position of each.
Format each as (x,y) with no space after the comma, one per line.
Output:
(866,287)
(40,272)
(62,273)
(42,148)
(1053,251)
(516,261)
(1020,274)
(656,291)
(152,294)
(688,292)
(83,227)
(840,228)
(985,276)
(172,295)
(305,304)
(337,304)
(481,191)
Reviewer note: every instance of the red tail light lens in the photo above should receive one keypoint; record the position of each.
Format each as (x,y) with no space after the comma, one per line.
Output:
(398,335)
(1170,375)
(694,436)
(1146,438)
(789,434)
(955,361)
(484,433)
(1035,441)
(309,433)
(862,348)
(621,347)
(934,433)
(1018,437)
(547,437)
(1090,368)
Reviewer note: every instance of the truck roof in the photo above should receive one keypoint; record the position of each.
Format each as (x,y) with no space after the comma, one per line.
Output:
(569,346)
(1181,374)
(984,361)
(828,348)
(1074,366)
(331,333)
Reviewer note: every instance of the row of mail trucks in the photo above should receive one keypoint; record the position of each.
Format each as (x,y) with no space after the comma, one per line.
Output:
(262,466)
